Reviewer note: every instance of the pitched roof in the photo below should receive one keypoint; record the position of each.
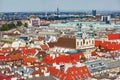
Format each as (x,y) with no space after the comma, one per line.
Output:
(72,58)
(2,52)
(5,57)
(23,48)
(113,36)
(52,44)
(72,73)
(93,53)
(37,72)
(4,77)
(66,42)
(97,42)
(11,57)
(47,59)
(41,37)
(44,47)
(6,49)
(29,50)
(108,45)
(29,59)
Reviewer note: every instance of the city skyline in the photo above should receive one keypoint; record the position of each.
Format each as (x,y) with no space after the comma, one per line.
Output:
(64,5)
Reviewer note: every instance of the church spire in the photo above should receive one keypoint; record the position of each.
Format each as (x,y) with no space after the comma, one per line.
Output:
(58,11)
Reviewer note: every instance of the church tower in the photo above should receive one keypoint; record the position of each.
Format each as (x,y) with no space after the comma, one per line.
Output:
(84,40)
(91,33)
(79,33)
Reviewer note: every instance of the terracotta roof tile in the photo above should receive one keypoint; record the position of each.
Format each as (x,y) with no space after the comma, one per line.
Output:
(5,77)
(52,44)
(28,51)
(72,73)
(66,42)
(107,45)
(72,58)
(113,36)
(41,37)
(2,52)
(93,53)
(44,47)
(37,72)
(29,59)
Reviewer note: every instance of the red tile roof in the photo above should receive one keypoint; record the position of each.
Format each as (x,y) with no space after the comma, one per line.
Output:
(63,58)
(47,59)
(97,42)
(4,77)
(113,36)
(77,56)
(29,50)
(5,57)
(7,49)
(72,58)
(41,37)
(44,47)
(29,59)
(11,57)
(52,44)
(21,79)
(2,52)
(72,73)
(108,45)
(16,56)
(93,53)
(23,48)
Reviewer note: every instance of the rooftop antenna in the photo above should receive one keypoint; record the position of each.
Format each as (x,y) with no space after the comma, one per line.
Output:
(58,12)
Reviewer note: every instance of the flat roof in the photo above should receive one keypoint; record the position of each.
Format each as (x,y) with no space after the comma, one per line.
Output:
(95,24)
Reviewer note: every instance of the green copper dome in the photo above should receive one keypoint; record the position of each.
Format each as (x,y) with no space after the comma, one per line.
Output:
(91,33)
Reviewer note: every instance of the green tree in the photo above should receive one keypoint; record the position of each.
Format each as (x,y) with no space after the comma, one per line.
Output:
(19,23)
(83,59)
(11,25)
(4,27)
(25,25)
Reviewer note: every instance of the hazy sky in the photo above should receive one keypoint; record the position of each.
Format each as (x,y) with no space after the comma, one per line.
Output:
(50,5)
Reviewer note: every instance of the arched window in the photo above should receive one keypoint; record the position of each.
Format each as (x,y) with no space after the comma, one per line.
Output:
(87,42)
(77,43)
(83,41)
(92,41)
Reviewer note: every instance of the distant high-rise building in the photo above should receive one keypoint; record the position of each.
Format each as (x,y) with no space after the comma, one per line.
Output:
(58,12)
(93,12)
(105,19)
